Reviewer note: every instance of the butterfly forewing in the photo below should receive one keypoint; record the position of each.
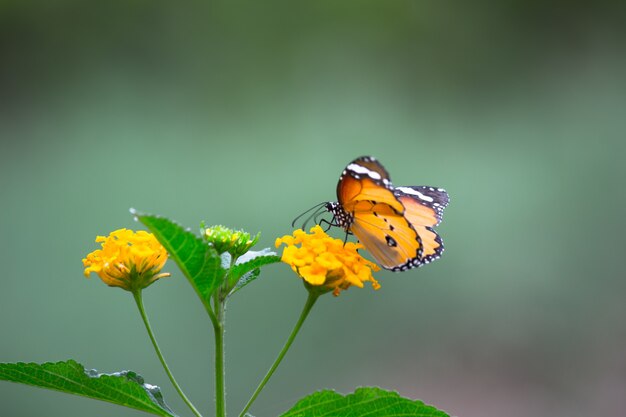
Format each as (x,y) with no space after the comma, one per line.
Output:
(367,166)
(386,235)
(351,190)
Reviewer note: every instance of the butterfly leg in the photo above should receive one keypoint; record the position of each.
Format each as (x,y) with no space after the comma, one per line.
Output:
(328,224)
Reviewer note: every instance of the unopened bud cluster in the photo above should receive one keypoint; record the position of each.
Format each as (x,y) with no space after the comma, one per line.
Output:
(235,242)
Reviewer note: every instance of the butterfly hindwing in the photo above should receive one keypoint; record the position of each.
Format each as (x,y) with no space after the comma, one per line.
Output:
(435,198)
(423,210)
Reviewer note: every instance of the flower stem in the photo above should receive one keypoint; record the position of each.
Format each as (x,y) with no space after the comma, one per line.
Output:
(139,301)
(305,312)
(219,322)
(218,328)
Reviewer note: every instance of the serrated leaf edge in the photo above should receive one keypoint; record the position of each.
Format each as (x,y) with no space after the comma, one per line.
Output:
(70,362)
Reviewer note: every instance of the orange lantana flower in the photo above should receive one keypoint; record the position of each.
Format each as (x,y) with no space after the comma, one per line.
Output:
(326,263)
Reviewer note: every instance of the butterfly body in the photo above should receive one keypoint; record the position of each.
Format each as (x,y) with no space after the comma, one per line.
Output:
(395,224)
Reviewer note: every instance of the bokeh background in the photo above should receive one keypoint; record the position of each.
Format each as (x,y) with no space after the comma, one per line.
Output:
(244,113)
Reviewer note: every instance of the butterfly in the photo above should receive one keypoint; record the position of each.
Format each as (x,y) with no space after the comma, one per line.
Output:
(395,224)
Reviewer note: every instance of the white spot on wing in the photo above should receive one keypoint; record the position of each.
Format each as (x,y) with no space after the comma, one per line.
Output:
(362,170)
(419,195)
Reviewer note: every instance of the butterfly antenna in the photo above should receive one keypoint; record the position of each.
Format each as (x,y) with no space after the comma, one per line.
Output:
(315,207)
(318,213)
(313,216)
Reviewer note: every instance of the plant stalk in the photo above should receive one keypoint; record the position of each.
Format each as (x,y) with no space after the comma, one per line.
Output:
(219,322)
(303,315)
(139,301)
(218,328)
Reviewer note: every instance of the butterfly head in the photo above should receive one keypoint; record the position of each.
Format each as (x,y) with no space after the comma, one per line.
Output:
(331,206)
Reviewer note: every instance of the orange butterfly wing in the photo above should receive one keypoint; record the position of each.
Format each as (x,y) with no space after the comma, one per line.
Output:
(394,224)
(376,216)
(424,210)
(352,190)
(388,237)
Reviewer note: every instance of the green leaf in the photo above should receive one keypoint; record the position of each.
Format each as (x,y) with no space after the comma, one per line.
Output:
(247,267)
(246,279)
(259,258)
(199,262)
(124,388)
(370,402)
(252,260)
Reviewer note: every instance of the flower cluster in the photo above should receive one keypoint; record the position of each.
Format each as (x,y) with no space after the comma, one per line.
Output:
(324,263)
(129,260)
(235,242)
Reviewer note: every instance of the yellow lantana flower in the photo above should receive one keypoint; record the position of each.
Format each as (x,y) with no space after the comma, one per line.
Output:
(129,260)
(326,263)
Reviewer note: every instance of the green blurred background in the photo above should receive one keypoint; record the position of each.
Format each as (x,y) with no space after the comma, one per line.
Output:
(244,113)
